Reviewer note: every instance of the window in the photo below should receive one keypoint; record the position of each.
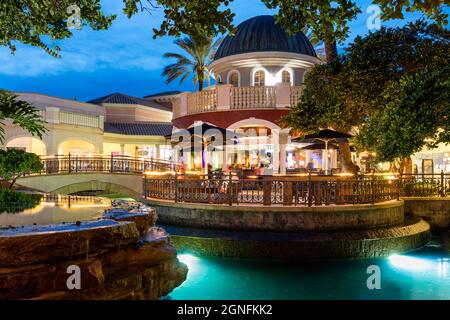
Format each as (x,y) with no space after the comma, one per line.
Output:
(286,77)
(233,78)
(259,78)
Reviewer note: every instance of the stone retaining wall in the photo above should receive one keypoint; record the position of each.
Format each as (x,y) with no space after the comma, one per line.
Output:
(343,217)
(319,245)
(434,210)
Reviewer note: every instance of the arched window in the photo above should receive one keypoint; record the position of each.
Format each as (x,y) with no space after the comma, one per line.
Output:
(259,78)
(286,77)
(234,78)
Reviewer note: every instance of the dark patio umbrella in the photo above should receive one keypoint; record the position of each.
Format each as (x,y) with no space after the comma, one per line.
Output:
(199,133)
(324,136)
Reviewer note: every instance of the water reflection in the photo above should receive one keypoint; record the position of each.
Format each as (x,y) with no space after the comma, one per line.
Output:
(51,209)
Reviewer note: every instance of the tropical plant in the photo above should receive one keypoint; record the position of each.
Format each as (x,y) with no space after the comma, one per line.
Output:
(16,163)
(21,113)
(200,53)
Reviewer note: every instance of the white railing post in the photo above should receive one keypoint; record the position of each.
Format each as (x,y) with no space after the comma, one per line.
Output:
(283,95)
(224,96)
(183,104)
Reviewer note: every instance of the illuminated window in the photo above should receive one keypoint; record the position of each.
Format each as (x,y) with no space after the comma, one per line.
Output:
(286,77)
(259,79)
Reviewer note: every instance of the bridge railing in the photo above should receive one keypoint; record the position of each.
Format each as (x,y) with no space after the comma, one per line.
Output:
(305,190)
(111,164)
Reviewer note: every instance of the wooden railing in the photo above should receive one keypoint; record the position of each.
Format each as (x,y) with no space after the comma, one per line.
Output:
(252,98)
(111,164)
(202,101)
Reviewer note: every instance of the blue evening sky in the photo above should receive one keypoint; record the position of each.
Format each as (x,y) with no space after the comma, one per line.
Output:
(123,59)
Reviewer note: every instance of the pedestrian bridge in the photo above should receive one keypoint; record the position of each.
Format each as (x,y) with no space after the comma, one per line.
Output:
(74,174)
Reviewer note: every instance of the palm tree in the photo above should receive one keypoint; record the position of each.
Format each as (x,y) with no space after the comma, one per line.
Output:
(319,45)
(21,113)
(200,52)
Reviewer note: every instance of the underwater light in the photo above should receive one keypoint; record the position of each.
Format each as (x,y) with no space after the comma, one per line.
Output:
(410,263)
(188,259)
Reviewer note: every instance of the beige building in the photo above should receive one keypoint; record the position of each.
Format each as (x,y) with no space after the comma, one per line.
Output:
(116,124)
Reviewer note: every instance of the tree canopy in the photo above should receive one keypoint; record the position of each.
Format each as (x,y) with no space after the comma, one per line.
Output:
(32,21)
(17,163)
(38,22)
(392,85)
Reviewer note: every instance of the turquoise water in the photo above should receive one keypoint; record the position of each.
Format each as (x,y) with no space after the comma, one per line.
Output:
(423,274)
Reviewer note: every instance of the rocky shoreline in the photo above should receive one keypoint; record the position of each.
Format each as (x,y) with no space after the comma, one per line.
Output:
(122,256)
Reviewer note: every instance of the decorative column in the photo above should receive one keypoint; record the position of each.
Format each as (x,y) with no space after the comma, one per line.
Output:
(122,149)
(157,151)
(224,158)
(276,151)
(283,142)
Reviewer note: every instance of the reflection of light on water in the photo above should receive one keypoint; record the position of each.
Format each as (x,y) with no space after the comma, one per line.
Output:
(410,263)
(188,259)
(443,267)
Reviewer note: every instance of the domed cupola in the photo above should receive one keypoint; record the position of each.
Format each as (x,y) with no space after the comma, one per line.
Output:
(262,34)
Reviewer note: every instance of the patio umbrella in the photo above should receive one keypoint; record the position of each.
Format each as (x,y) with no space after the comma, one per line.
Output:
(200,134)
(324,136)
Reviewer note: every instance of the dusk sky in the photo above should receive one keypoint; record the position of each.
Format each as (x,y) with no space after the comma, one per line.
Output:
(123,59)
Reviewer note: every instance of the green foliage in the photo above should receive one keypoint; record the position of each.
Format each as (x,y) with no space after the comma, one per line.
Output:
(13,202)
(370,63)
(392,85)
(195,18)
(17,163)
(327,19)
(200,52)
(21,113)
(434,9)
(416,114)
(324,102)
(31,21)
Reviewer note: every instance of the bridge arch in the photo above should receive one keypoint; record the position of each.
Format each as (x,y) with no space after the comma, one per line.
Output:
(96,185)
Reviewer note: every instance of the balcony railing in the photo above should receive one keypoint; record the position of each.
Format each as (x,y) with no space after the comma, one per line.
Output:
(226,97)
(253,98)
(202,101)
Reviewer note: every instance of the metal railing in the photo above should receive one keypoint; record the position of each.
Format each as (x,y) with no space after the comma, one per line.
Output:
(267,190)
(425,185)
(306,190)
(111,164)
